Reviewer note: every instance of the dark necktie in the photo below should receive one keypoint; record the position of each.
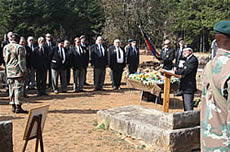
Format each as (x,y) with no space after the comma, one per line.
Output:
(165,52)
(119,53)
(100,50)
(135,50)
(60,53)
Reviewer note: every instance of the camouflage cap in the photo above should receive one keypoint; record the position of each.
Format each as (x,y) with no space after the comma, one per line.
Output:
(222,27)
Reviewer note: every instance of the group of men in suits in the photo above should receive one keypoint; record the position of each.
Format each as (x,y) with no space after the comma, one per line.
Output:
(186,65)
(57,61)
(116,58)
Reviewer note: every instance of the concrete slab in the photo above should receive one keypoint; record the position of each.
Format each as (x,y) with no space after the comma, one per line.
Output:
(171,132)
(6,140)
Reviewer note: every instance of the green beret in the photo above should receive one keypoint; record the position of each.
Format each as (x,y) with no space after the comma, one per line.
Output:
(222,27)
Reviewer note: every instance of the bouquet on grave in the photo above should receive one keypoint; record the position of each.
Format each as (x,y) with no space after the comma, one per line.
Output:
(149,78)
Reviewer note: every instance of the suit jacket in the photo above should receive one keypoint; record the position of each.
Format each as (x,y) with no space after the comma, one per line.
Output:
(86,47)
(79,61)
(56,59)
(28,56)
(98,60)
(52,45)
(188,72)
(112,58)
(179,56)
(167,58)
(68,52)
(40,58)
(1,56)
(132,56)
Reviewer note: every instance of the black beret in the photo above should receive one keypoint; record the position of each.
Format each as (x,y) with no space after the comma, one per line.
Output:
(222,27)
(180,39)
(130,40)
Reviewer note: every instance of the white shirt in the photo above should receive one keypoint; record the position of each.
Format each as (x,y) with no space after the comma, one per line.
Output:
(79,50)
(121,59)
(62,53)
(31,46)
(102,49)
(49,43)
(189,57)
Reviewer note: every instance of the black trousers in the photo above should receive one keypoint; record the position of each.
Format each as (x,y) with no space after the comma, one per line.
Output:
(99,77)
(68,75)
(116,77)
(132,69)
(188,101)
(50,78)
(85,75)
(41,77)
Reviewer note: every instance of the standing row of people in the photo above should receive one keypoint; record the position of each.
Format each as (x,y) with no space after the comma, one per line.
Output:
(57,60)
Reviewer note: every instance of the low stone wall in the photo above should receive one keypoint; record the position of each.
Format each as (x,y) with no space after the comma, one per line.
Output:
(175,132)
(6,141)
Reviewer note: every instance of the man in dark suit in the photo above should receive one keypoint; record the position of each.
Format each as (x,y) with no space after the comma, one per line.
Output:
(49,44)
(41,64)
(68,68)
(167,55)
(28,64)
(31,71)
(188,81)
(99,60)
(58,66)
(79,62)
(116,63)
(86,47)
(179,52)
(179,59)
(132,56)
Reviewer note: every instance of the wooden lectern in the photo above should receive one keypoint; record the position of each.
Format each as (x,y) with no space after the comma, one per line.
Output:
(167,75)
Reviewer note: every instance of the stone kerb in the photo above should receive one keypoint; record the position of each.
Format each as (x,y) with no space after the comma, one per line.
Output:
(180,120)
(171,132)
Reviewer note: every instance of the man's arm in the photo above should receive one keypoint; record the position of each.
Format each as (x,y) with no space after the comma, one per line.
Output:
(22,59)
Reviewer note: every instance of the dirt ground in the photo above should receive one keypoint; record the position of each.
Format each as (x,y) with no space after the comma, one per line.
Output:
(71,124)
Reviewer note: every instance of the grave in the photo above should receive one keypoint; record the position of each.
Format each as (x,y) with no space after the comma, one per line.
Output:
(169,132)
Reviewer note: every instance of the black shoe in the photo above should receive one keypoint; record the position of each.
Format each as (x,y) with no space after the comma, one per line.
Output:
(13,108)
(39,94)
(86,84)
(44,94)
(20,110)
(178,93)
(25,96)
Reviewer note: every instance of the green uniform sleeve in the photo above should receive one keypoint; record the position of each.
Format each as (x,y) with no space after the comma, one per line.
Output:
(22,59)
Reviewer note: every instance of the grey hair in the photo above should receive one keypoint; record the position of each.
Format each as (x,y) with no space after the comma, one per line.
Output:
(40,39)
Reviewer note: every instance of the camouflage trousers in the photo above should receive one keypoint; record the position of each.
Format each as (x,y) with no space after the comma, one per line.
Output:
(16,90)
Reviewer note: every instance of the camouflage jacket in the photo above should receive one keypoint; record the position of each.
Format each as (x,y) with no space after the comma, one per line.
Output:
(215,105)
(15,60)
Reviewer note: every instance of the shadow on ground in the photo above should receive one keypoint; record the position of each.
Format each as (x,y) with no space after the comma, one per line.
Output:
(74,111)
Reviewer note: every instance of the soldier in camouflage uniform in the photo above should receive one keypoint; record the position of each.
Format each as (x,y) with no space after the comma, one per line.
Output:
(14,57)
(215,120)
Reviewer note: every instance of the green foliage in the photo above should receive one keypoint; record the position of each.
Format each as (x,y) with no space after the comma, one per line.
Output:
(65,19)
(193,20)
(104,125)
